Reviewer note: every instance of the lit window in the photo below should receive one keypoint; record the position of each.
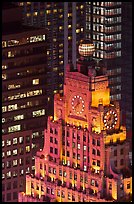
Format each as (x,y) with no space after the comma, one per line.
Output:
(15,140)
(27,148)
(14,128)
(37,38)
(34,93)
(8,142)
(15,152)
(18,117)
(10,54)
(78,146)
(3,154)
(4,109)
(15,162)
(3,120)
(12,107)
(85,148)
(4,76)
(9,174)
(85,168)
(38,113)
(3,176)
(21,172)
(20,140)
(4,44)
(55,91)
(13,86)
(3,143)
(4,66)
(15,173)
(48,23)
(35,81)
(8,153)
(77,30)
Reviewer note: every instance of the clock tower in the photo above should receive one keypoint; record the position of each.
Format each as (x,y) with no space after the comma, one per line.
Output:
(85,155)
(87,95)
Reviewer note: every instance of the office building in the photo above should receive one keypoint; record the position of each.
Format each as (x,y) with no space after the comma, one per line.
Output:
(24,99)
(85,154)
(104,27)
(65,22)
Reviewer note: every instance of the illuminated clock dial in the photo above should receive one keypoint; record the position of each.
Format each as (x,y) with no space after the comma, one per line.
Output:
(110,119)
(78,104)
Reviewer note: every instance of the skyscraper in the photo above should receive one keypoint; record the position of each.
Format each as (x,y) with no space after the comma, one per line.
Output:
(85,154)
(104,27)
(65,22)
(24,99)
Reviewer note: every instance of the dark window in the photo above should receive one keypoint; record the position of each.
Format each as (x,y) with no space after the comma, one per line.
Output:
(121,161)
(93,141)
(75,176)
(110,186)
(3,187)
(51,139)
(78,137)
(56,132)
(98,142)
(15,195)
(51,130)
(63,133)
(115,162)
(48,190)
(128,185)
(27,160)
(121,151)
(56,151)
(60,172)
(3,198)
(74,155)
(93,151)
(73,145)
(115,152)
(8,196)
(51,150)
(84,138)
(98,163)
(98,152)
(15,184)
(27,139)
(68,154)
(67,133)
(63,152)
(55,140)
(68,143)
(73,135)
(41,166)
(8,186)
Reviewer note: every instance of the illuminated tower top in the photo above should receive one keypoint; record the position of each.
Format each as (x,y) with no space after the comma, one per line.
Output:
(86,48)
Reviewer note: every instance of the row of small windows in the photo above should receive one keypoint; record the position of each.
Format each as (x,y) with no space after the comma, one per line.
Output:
(24,95)
(71,175)
(15,173)
(16,151)
(15,141)
(31,39)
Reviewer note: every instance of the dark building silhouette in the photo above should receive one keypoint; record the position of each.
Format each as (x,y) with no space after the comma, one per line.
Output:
(24,99)
(127,63)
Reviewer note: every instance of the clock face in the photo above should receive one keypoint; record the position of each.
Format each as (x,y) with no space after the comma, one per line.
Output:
(78,104)
(110,119)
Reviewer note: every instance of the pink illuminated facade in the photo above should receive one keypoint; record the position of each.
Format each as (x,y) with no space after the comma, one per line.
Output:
(85,155)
